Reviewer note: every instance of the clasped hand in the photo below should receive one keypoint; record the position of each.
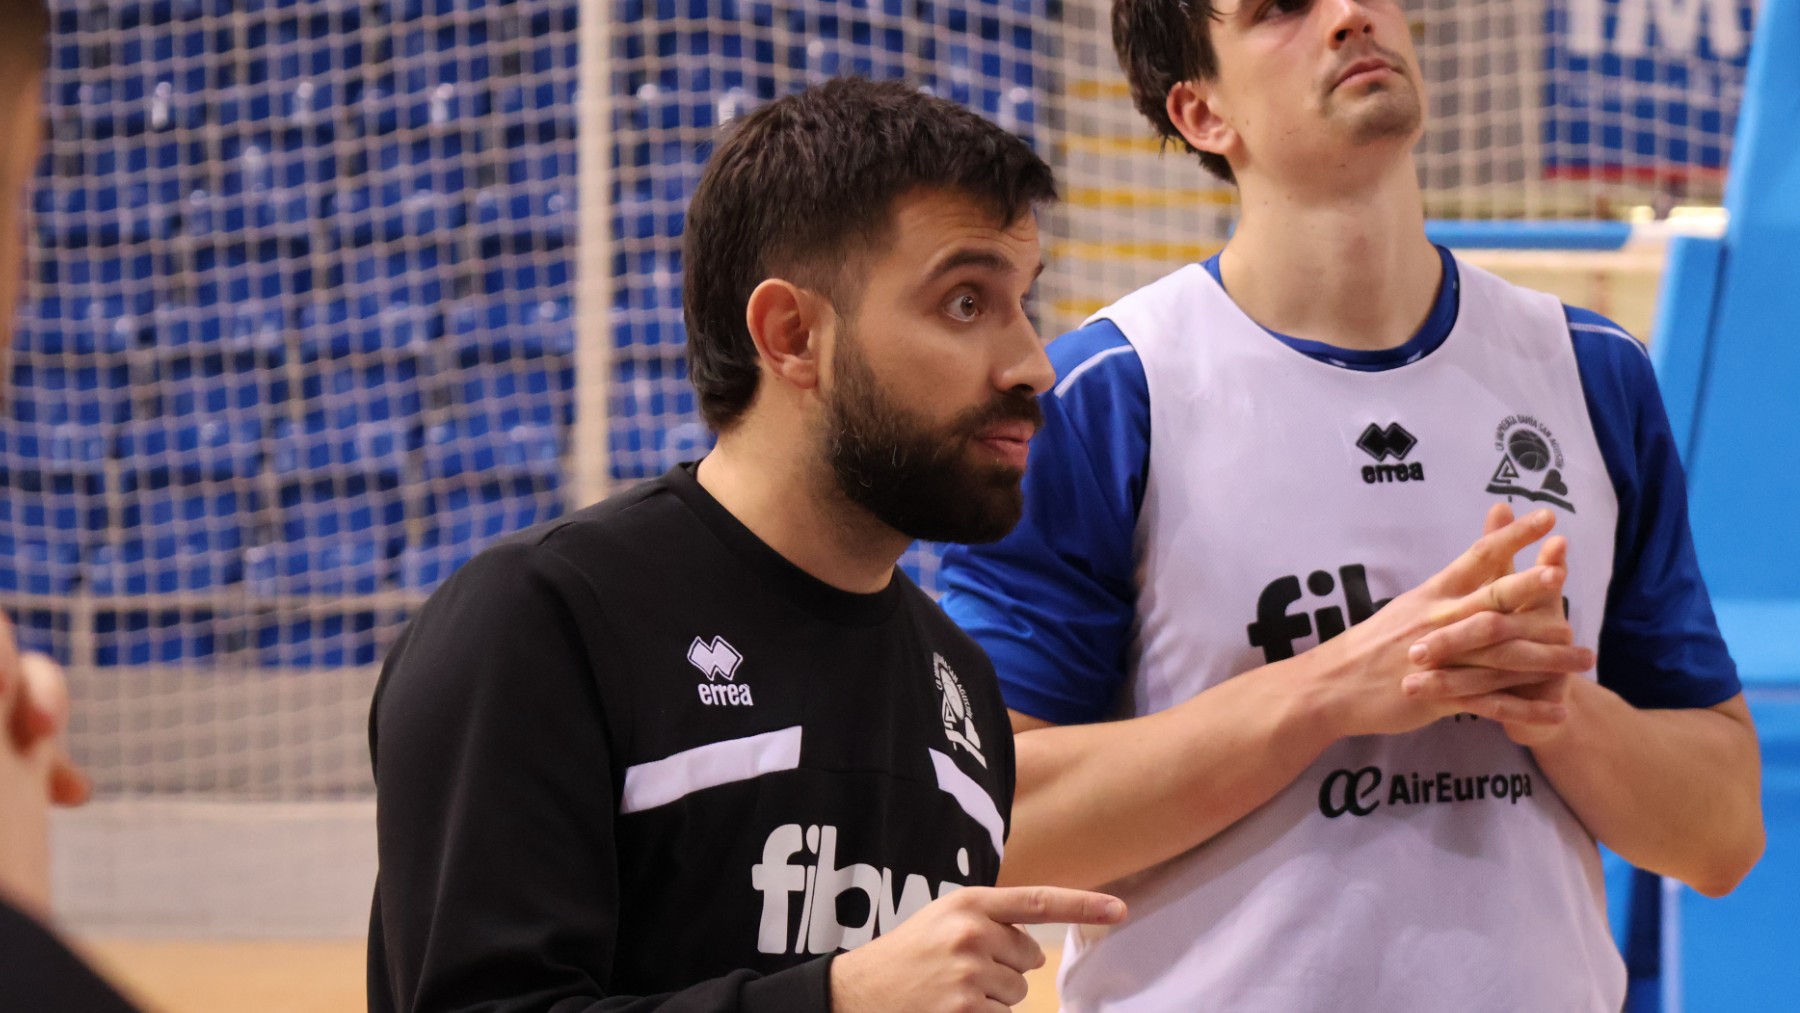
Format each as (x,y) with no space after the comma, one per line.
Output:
(1475,638)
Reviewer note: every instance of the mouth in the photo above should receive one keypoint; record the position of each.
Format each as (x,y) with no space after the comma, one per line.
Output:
(1010,441)
(1364,71)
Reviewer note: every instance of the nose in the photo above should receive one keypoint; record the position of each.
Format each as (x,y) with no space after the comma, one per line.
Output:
(1025,363)
(1348,20)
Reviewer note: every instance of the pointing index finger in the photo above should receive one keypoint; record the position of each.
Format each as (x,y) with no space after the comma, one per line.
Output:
(1038,905)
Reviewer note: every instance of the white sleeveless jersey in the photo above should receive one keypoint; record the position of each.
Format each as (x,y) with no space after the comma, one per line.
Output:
(1287,498)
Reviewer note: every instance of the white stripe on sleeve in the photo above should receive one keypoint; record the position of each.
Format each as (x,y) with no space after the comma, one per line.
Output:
(659,782)
(973,799)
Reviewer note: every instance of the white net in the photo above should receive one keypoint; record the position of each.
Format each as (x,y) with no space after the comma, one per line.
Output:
(300,334)
(298,342)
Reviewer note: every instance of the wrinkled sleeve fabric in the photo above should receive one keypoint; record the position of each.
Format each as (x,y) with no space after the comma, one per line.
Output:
(498,887)
(1053,602)
(1660,645)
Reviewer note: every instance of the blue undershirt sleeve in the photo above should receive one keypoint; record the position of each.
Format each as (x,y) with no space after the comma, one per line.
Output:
(1052,603)
(1660,645)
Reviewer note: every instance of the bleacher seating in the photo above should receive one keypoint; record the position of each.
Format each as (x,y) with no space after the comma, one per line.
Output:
(302,321)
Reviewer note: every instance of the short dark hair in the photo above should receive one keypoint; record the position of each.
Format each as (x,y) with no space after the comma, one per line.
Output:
(1162,43)
(804,189)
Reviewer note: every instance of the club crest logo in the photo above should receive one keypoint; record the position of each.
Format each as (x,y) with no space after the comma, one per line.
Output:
(954,709)
(1531,463)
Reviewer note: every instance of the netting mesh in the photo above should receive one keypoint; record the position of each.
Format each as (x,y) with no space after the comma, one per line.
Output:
(300,333)
(298,341)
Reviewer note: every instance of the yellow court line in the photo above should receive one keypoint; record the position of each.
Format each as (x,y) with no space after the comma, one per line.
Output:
(1113,145)
(1185,253)
(1096,89)
(1137,197)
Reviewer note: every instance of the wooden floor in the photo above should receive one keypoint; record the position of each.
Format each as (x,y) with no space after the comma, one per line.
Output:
(173,976)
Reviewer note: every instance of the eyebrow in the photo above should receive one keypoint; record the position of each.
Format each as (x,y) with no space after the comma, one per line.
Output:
(977,258)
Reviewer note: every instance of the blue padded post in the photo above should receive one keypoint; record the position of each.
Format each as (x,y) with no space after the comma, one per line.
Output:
(1744,446)
(1730,370)
(1684,321)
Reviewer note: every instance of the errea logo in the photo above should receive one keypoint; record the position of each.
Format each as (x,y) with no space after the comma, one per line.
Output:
(1382,443)
(719,660)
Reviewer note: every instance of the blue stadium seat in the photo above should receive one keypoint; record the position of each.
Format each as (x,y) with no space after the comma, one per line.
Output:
(191,387)
(402,208)
(538,393)
(236,272)
(246,197)
(309,108)
(366,326)
(111,269)
(537,163)
(338,531)
(86,339)
(84,395)
(188,449)
(327,641)
(161,637)
(647,313)
(525,220)
(475,447)
(467,516)
(64,458)
(425,567)
(246,335)
(655,418)
(493,330)
(161,565)
(31,566)
(204,518)
(557,20)
(639,218)
(538,113)
(446,50)
(412,10)
(416,276)
(101,214)
(50,517)
(533,276)
(348,395)
(319,452)
(323,566)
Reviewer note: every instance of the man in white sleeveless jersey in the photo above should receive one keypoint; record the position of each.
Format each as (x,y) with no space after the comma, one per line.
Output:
(1333,757)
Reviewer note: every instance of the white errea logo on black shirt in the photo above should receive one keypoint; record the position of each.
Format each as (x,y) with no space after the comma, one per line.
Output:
(719,660)
(954,710)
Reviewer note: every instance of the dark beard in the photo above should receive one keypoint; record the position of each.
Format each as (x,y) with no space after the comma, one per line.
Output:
(919,480)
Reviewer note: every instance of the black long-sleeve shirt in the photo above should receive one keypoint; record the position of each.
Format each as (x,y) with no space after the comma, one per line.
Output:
(39,973)
(634,759)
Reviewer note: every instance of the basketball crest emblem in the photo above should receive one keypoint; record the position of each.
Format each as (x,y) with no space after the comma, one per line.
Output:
(1531,463)
(954,710)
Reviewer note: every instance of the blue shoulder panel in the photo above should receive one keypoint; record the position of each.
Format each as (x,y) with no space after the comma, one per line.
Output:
(1052,603)
(1659,645)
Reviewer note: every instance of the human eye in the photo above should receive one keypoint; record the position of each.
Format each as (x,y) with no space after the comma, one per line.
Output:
(963,306)
(1283,7)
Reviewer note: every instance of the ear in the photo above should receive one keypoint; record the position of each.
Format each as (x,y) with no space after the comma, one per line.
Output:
(786,321)
(1193,108)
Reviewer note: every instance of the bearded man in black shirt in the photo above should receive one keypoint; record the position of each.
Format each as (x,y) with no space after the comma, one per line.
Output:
(702,746)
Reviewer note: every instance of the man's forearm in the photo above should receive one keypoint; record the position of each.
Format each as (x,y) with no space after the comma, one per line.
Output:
(1097,802)
(1677,792)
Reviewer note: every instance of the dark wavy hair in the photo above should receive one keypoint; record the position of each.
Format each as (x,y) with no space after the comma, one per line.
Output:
(1160,44)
